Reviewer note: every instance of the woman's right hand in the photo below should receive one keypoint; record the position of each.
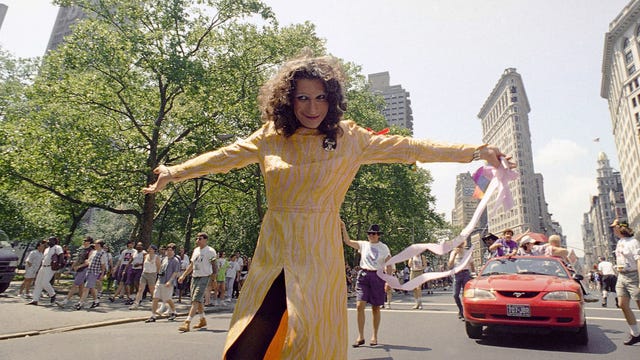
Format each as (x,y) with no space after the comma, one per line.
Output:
(164,176)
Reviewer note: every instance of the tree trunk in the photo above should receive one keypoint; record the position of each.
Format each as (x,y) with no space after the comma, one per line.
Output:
(145,221)
(74,225)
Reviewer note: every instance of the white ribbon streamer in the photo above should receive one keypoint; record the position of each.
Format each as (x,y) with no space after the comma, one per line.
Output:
(500,183)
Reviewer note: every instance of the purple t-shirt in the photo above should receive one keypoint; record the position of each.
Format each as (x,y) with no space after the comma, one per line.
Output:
(506,247)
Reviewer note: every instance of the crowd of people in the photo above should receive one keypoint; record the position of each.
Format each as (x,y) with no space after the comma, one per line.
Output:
(156,274)
(308,155)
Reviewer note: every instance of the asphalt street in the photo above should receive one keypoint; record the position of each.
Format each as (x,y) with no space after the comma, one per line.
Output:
(114,332)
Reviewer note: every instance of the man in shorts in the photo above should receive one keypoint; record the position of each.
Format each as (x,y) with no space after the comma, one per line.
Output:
(80,266)
(97,268)
(201,267)
(169,271)
(628,283)
(370,287)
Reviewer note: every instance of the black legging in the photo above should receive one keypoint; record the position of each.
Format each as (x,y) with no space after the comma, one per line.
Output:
(256,337)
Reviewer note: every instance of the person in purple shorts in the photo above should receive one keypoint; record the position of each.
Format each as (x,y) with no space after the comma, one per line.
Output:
(370,288)
(121,271)
(134,273)
(97,268)
(80,266)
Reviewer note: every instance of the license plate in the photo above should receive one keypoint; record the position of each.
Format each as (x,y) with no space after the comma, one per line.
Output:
(518,310)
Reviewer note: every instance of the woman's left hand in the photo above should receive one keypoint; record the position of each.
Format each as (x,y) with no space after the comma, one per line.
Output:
(492,155)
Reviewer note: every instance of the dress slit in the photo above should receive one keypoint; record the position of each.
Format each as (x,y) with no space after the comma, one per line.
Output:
(265,334)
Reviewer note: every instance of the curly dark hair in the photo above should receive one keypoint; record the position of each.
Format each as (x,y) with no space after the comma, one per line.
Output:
(276,95)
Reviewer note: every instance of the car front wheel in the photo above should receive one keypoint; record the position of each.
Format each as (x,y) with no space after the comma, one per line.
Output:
(473,331)
(582,336)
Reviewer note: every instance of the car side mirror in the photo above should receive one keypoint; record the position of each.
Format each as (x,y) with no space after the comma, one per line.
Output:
(578,277)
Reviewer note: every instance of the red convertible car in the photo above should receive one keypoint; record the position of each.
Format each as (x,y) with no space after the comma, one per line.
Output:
(525,294)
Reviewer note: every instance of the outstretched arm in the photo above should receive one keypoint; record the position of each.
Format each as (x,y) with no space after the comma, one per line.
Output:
(345,237)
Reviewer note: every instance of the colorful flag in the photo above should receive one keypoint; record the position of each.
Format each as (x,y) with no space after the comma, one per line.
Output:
(482,177)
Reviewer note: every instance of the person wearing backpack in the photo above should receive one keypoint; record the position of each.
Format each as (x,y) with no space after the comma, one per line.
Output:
(52,260)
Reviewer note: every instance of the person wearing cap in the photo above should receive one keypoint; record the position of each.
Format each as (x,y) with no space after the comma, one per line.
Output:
(609,279)
(96,270)
(529,247)
(45,274)
(80,266)
(150,266)
(628,283)
(370,288)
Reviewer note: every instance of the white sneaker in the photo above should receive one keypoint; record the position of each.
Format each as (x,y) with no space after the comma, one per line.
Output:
(134,306)
(167,313)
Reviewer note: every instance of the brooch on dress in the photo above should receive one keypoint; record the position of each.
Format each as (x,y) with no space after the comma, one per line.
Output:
(329,144)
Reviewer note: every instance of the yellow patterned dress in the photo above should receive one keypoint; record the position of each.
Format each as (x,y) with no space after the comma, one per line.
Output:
(300,233)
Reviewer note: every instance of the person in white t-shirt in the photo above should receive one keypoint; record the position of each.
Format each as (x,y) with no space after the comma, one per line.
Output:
(417,264)
(370,287)
(609,279)
(628,284)
(43,279)
(33,262)
(201,267)
(233,274)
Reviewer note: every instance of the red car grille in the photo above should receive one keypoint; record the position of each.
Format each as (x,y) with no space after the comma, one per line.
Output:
(519,294)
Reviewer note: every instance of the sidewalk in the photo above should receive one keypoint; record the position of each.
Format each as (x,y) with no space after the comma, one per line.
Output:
(19,320)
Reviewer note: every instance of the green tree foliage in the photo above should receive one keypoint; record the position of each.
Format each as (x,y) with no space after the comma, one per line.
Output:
(143,83)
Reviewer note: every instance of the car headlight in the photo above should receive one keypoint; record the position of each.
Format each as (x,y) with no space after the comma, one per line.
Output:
(479,294)
(562,296)
(13,263)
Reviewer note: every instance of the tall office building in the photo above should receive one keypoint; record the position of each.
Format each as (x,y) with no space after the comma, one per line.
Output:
(3,13)
(398,105)
(621,87)
(607,205)
(464,202)
(505,123)
(464,207)
(67,17)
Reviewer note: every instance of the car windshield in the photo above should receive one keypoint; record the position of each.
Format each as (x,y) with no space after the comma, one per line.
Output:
(526,265)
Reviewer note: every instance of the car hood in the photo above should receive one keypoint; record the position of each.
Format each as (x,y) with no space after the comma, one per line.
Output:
(524,283)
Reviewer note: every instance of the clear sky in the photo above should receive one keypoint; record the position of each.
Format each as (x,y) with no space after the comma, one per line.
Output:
(449,54)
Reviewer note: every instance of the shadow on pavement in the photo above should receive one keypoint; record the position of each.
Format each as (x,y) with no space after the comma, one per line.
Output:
(599,343)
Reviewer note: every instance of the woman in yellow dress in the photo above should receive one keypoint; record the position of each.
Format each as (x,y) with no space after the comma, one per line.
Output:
(294,304)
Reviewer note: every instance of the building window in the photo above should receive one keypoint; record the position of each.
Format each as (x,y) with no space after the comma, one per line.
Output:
(626,43)
(513,89)
(634,102)
(514,99)
(631,69)
(515,109)
(628,57)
